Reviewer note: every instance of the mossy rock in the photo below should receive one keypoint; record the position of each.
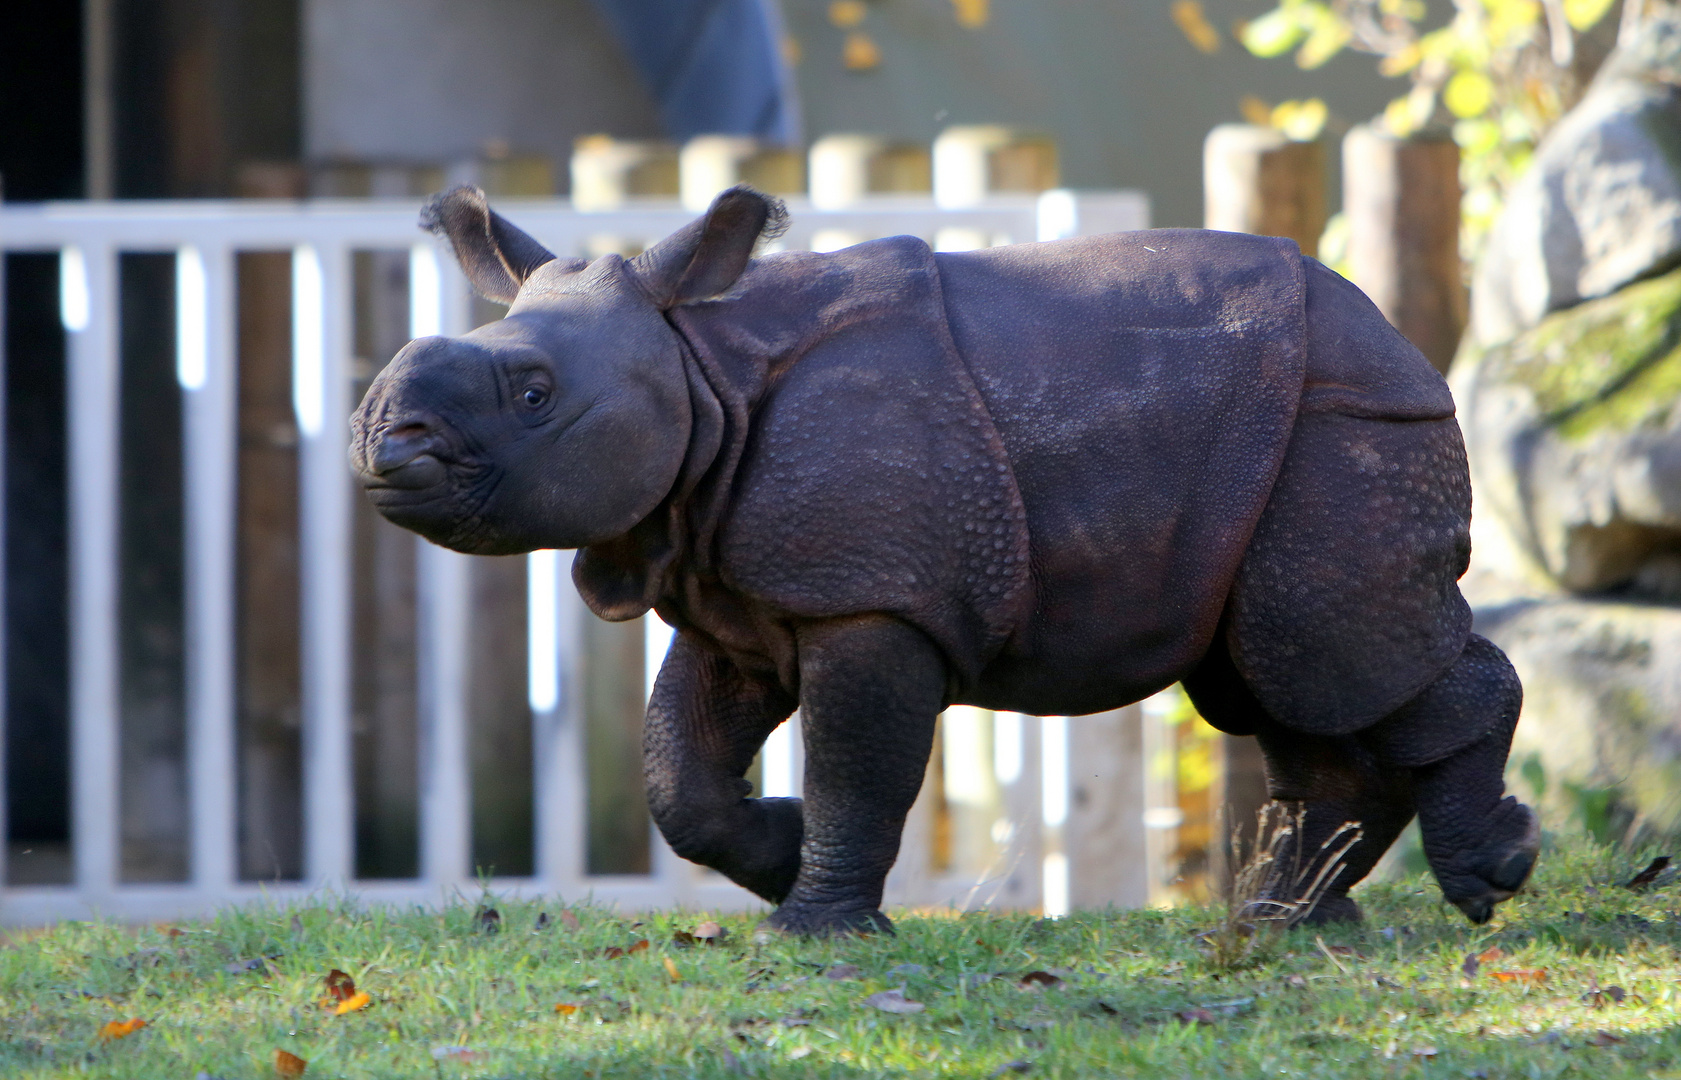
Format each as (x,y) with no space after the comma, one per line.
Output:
(1574,435)
(1612,364)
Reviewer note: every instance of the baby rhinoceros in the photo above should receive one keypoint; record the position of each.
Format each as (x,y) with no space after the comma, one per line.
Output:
(1048,478)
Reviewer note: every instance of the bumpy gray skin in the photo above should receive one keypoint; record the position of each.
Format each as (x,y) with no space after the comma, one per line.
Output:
(1050,478)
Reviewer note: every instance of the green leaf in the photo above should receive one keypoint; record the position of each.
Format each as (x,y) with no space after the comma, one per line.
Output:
(1274,33)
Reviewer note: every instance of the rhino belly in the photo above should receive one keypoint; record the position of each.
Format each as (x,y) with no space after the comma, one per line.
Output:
(1144,387)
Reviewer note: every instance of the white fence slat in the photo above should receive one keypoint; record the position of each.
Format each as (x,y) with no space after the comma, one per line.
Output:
(439,303)
(321,349)
(445,798)
(210,461)
(89,300)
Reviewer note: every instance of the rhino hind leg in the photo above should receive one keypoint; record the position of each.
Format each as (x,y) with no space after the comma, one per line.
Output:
(1331,780)
(706,720)
(1453,739)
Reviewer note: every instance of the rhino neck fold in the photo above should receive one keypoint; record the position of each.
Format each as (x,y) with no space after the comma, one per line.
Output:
(623,578)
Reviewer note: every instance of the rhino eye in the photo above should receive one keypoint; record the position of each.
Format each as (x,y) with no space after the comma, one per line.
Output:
(534,397)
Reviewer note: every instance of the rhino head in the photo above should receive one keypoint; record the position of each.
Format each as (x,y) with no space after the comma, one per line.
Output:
(567,422)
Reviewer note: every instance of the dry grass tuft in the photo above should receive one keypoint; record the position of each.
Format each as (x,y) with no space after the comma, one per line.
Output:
(1253,923)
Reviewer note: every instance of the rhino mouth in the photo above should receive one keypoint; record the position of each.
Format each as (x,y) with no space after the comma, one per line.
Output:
(419,473)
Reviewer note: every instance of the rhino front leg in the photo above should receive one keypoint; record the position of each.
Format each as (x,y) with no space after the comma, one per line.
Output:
(706,720)
(1481,842)
(870,690)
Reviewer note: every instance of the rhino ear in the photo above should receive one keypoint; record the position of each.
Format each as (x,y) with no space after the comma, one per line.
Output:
(495,256)
(703,258)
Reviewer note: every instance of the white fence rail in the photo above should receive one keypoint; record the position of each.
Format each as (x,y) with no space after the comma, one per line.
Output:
(1019,767)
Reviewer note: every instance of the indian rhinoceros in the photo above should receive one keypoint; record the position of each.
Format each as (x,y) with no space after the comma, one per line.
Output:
(1049,478)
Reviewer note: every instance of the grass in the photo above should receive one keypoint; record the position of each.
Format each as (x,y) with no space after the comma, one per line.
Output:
(1138,996)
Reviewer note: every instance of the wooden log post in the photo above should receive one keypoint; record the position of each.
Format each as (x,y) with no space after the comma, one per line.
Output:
(1401,198)
(1255,180)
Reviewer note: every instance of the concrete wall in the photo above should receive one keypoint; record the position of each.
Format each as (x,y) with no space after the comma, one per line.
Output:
(437,80)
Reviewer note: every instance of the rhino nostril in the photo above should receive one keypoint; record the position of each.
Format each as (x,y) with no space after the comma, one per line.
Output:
(399,446)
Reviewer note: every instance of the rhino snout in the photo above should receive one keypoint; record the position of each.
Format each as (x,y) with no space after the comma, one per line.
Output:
(403,457)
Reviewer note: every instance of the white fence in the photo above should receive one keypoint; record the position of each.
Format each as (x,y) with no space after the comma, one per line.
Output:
(1046,816)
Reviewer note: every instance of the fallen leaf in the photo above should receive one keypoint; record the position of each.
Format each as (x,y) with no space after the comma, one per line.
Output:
(1493,953)
(340,986)
(1521,975)
(843,971)
(641,943)
(454,1053)
(612,952)
(1296,981)
(288,1064)
(684,940)
(1471,966)
(120,1029)
(711,933)
(569,920)
(353,1003)
(671,969)
(1040,980)
(566,1008)
(1648,875)
(489,920)
(1604,1038)
(894,1001)
(1344,950)
(1195,1016)
(798,1052)
(173,931)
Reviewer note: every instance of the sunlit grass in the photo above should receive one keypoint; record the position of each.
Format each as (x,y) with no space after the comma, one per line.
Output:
(1388,999)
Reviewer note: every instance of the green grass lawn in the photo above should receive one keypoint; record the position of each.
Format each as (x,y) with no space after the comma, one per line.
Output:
(1134,993)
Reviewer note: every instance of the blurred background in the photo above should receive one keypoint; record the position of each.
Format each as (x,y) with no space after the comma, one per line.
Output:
(221,669)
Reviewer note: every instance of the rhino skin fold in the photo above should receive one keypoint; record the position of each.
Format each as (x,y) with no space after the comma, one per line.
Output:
(1050,478)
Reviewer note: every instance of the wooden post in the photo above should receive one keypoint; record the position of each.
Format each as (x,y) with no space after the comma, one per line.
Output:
(1104,836)
(1257,181)
(1401,197)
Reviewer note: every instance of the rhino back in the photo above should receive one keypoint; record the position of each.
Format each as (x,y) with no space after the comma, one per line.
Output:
(1144,386)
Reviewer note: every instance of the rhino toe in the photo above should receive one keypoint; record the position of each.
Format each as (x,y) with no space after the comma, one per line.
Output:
(1494,873)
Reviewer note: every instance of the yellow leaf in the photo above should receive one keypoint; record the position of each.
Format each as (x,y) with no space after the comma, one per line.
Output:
(357,1001)
(1254,110)
(847,14)
(1193,23)
(1583,14)
(1300,120)
(671,969)
(566,1008)
(971,14)
(1468,94)
(1397,117)
(1329,35)
(1402,62)
(120,1030)
(288,1065)
(860,53)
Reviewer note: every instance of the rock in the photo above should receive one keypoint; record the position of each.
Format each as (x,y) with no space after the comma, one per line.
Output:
(1599,743)
(1601,204)
(1574,436)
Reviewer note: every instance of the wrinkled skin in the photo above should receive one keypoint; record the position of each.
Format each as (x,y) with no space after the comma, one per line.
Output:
(1050,478)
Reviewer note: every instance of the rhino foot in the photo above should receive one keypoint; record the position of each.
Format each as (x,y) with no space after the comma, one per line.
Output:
(1474,881)
(812,921)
